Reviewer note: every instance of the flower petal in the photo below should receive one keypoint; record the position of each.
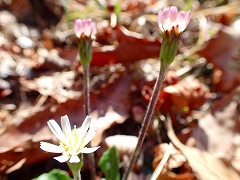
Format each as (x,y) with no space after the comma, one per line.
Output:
(90,134)
(62,158)
(74,159)
(56,130)
(48,147)
(170,18)
(78,27)
(85,126)
(173,13)
(186,21)
(66,127)
(89,150)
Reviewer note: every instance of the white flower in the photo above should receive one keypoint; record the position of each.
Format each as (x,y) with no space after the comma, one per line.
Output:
(72,143)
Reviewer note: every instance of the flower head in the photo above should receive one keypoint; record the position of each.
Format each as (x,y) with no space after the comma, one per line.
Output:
(170,19)
(84,28)
(171,23)
(72,143)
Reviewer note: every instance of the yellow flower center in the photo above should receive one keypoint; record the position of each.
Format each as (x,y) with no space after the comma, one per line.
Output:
(73,145)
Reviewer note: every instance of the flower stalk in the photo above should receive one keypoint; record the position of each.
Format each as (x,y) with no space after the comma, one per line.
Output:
(85,31)
(147,118)
(171,24)
(76,168)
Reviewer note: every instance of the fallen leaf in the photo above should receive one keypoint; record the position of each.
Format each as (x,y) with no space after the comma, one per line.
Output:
(221,121)
(134,45)
(220,54)
(184,96)
(18,165)
(30,124)
(205,165)
(104,123)
(124,144)
(173,176)
(175,160)
(58,86)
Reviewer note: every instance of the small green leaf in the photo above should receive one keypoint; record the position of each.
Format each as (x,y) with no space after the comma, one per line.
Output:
(108,164)
(55,174)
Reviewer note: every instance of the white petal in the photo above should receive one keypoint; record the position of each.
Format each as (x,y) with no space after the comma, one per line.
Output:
(74,159)
(89,136)
(85,126)
(50,147)
(89,150)
(66,127)
(56,130)
(62,158)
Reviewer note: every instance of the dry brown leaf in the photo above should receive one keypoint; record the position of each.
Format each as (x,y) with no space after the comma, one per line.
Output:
(175,160)
(104,123)
(205,165)
(173,176)
(134,45)
(221,122)
(30,124)
(236,159)
(219,51)
(185,93)
(58,86)
(51,60)
(124,144)
(17,166)
(184,96)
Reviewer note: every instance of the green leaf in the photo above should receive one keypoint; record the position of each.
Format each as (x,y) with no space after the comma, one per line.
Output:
(108,164)
(55,174)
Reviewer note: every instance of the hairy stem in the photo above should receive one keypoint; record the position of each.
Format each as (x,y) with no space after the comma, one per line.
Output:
(87,112)
(147,118)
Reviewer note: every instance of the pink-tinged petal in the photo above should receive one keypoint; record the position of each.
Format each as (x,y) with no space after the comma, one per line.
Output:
(66,127)
(165,16)
(56,130)
(160,21)
(62,158)
(52,148)
(85,26)
(173,13)
(89,150)
(88,27)
(74,159)
(183,20)
(84,128)
(187,18)
(169,19)
(93,29)
(78,27)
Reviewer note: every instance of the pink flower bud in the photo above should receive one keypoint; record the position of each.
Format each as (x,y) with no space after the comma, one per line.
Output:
(170,19)
(84,28)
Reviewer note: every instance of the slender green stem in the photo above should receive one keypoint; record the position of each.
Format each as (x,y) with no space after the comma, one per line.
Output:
(77,175)
(86,90)
(87,112)
(147,118)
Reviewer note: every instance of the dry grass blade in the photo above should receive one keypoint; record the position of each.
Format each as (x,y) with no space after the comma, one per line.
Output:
(205,165)
(160,166)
